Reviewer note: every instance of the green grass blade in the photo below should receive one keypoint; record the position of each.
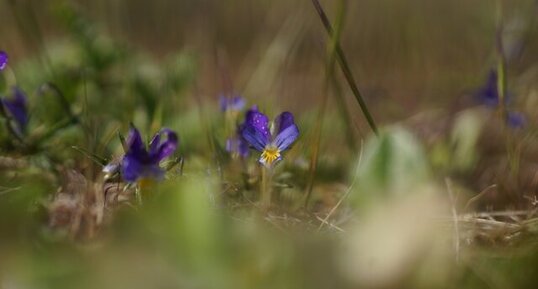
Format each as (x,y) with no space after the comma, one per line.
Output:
(346,70)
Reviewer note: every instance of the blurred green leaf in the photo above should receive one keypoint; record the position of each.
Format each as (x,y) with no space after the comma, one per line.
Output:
(392,164)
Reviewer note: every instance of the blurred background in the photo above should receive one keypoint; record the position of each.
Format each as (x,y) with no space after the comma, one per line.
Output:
(405,54)
(444,197)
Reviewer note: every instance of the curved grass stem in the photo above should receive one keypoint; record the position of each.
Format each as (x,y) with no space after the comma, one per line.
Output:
(346,70)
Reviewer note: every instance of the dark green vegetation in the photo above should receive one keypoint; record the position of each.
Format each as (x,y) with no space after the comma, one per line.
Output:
(444,197)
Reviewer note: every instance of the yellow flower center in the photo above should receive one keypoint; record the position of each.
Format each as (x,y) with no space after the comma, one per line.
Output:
(270,154)
(146,184)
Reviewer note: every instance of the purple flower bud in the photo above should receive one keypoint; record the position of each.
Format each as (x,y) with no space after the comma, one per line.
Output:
(3,60)
(238,146)
(235,103)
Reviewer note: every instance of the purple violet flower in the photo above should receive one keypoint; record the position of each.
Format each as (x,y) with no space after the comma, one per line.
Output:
(235,103)
(140,162)
(257,133)
(3,60)
(16,107)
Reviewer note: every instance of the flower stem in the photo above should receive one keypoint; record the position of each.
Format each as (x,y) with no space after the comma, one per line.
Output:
(265,199)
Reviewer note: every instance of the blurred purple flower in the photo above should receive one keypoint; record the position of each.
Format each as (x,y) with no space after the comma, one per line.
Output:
(489,93)
(257,133)
(16,107)
(3,60)
(237,146)
(139,162)
(516,120)
(235,103)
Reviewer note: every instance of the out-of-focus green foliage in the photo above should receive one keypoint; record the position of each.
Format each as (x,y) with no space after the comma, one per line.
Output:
(392,165)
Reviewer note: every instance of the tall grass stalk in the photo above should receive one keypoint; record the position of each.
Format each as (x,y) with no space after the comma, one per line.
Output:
(502,88)
(346,70)
(501,61)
